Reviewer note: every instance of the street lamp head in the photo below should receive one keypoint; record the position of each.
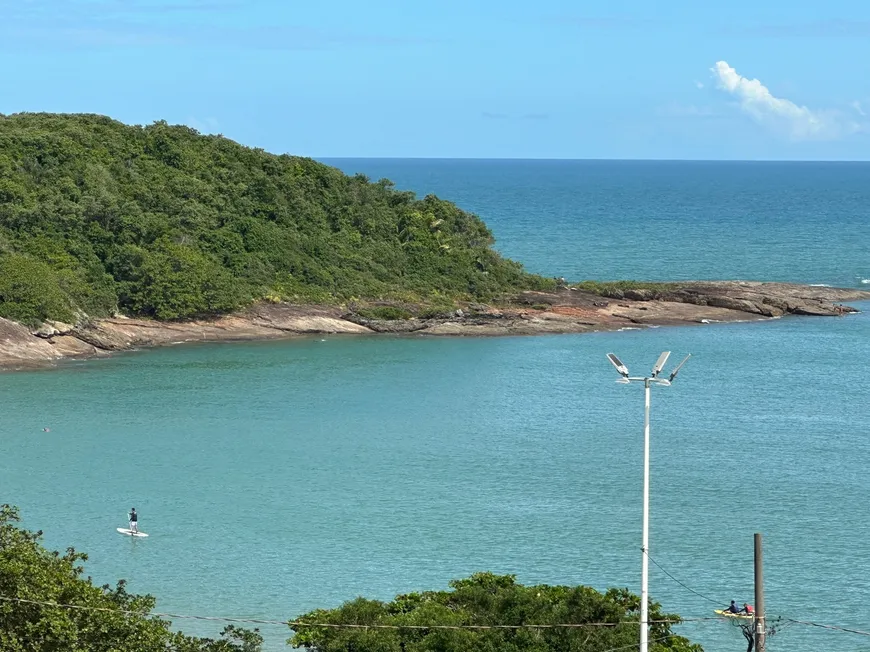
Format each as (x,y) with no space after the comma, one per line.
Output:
(616,362)
(660,363)
(677,369)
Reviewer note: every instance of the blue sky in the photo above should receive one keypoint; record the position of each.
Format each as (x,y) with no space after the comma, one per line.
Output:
(443,78)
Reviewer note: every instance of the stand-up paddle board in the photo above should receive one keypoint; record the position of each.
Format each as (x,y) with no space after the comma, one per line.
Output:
(130,533)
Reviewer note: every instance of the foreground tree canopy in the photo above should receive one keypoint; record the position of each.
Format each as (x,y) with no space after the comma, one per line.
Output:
(106,620)
(487,599)
(164,222)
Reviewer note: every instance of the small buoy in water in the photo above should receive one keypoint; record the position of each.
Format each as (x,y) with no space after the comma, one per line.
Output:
(46,430)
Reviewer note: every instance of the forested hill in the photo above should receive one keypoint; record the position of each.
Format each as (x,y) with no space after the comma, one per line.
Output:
(160,221)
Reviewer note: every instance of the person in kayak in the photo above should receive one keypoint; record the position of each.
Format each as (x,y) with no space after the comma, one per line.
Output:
(134,526)
(732,608)
(748,609)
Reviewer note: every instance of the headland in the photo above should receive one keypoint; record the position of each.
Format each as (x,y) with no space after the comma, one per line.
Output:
(571,309)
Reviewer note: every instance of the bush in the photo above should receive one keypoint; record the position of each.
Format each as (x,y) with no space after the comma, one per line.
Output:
(385,313)
(488,599)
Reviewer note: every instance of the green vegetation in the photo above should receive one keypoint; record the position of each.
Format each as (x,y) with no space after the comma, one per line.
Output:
(487,599)
(437,311)
(106,620)
(160,221)
(384,312)
(617,289)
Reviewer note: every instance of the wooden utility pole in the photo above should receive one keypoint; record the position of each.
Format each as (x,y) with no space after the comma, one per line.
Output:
(759,596)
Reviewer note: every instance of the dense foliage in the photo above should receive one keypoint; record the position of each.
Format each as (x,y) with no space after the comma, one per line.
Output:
(106,619)
(161,221)
(487,599)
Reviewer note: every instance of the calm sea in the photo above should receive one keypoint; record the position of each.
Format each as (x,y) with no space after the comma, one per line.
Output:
(671,220)
(278,477)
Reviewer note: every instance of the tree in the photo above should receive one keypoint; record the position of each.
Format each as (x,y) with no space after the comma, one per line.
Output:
(102,619)
(30,291)
(172,281)
(488,599)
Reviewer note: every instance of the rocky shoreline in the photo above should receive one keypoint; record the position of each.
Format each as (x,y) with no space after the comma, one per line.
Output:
(568,310)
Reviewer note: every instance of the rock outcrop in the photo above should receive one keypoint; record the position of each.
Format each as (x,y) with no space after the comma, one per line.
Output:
(567,310)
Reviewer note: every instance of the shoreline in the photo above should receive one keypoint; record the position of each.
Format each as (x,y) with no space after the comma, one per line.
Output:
(567,310)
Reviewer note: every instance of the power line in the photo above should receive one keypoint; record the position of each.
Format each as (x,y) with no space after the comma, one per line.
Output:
(688,588)
(634,645)
(294,624)
(791,621)
(833,627)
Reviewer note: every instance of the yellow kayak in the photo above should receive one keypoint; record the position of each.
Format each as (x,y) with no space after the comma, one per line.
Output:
(728,614)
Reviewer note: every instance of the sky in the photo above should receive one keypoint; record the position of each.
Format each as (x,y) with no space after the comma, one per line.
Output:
(624,79)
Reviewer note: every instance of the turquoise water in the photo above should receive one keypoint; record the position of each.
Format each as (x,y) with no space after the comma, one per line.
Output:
(670,220)
(278,477)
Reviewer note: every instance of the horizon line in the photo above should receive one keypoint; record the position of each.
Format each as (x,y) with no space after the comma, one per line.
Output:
(589,160)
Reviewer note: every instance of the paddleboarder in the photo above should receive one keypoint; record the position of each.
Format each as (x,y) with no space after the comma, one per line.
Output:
(134,520)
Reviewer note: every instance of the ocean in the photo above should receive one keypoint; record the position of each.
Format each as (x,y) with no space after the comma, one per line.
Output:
(659,221)
(279,477)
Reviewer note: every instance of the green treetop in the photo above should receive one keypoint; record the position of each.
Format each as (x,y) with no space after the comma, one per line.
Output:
(160,221)
(488,599)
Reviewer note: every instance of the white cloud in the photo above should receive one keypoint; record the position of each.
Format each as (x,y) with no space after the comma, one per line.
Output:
(699,84)
(857,106)
(798,122)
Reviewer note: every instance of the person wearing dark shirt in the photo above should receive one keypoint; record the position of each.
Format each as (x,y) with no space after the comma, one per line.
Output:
(733,608)
(134,524)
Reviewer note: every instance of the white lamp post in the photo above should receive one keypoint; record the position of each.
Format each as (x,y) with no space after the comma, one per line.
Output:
(647,381)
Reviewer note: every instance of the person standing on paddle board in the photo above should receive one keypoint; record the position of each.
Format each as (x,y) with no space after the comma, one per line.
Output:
(134,520)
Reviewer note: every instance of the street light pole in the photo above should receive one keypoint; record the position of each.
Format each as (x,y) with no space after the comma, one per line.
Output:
(644,583)
(648,381)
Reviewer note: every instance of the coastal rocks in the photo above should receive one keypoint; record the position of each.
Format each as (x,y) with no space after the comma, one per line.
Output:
(317,324)
(565,310)
(108,337)
(776,299)
(820,310)
(51,329)
(18,346)
(396,326)
(302,319)
(547,323)
(638,295)
(740,305)
(45,331)
(69,346)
